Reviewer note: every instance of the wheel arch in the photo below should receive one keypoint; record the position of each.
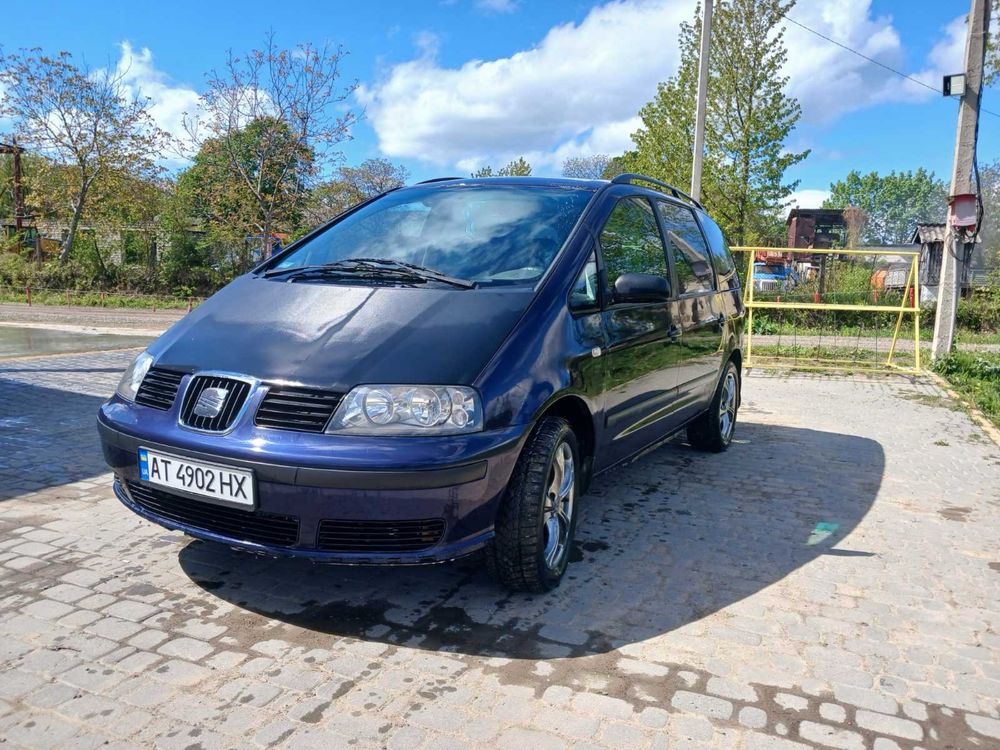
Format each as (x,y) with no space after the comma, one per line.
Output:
(574,410)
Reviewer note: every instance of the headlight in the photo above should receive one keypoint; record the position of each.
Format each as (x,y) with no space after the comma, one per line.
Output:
(408,410)
(133,376)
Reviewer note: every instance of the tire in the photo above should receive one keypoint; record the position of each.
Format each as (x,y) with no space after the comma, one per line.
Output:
(713,430)
(537,518)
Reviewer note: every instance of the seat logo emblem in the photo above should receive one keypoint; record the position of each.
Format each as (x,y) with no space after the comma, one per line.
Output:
(211,401)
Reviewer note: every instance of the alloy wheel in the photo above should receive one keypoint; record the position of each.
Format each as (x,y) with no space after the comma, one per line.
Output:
(557,512)
(727,406)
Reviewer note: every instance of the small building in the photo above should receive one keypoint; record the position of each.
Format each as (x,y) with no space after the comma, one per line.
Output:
(931,238)
(816,228)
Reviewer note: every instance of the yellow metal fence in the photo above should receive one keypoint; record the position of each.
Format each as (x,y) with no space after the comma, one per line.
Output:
(807,301)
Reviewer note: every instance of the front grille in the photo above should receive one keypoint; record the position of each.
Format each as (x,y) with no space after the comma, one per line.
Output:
(236,395)
(240,525)
(304,409)
(159,388)
(379,536)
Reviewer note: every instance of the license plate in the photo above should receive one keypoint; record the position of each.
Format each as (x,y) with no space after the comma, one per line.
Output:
(212,482)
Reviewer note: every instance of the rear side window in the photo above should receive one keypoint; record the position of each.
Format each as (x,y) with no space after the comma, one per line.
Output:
(688,247)
(722,259)
(630,241)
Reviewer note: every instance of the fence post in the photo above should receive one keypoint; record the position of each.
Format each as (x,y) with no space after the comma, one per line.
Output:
(189,304)
(103,299)
(27,293)
(816,297)
(67,296)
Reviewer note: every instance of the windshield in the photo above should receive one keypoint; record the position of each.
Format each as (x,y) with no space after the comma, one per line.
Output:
(490,235)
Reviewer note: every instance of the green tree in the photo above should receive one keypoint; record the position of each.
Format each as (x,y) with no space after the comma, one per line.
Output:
(86,121)
(748,120)
(273,118)
(352,185)
(519,167)
(893,204)
(586,167)
(217,194)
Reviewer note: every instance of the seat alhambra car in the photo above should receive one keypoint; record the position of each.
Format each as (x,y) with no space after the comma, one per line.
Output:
(437,371)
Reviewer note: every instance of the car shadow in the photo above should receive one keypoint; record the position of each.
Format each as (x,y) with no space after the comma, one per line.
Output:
(48,436)
(662,542)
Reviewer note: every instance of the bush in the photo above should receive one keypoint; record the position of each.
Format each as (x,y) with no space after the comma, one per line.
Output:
(982,312)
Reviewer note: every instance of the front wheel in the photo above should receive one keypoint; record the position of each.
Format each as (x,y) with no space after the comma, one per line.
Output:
(713,430)
(537,518)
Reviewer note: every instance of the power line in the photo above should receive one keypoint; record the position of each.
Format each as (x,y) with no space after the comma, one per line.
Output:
(863,56)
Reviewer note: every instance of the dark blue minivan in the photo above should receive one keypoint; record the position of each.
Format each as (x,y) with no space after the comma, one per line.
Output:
(437,371)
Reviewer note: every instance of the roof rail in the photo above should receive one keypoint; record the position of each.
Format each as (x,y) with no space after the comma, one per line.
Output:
(629,177)
(438,179)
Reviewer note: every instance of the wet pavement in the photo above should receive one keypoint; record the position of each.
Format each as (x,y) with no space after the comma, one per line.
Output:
(17,341)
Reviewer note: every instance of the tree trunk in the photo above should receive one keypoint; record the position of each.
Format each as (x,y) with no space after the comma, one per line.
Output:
(266,242)
(74,224)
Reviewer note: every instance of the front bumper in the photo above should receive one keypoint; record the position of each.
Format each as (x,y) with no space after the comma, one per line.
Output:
(308,483)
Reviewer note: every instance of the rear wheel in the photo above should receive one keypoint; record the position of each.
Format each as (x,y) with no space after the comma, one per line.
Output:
(713,430)
(537,518)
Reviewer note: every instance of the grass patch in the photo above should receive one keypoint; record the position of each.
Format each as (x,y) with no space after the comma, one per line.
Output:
(804,356)
(976,375)
(977,337)
(96,299)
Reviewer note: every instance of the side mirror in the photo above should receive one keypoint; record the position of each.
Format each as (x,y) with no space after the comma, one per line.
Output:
(641,287)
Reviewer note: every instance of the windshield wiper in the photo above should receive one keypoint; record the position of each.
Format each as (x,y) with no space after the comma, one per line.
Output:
(421,271)
(375,268)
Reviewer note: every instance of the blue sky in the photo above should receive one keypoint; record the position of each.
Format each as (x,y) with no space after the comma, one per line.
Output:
(450,85)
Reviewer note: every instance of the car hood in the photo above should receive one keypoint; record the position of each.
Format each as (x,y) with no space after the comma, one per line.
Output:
(338,336)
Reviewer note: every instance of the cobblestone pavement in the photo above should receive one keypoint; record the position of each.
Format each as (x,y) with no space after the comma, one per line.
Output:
(833,581)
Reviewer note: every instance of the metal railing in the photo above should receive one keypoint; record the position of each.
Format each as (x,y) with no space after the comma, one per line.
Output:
(813,356)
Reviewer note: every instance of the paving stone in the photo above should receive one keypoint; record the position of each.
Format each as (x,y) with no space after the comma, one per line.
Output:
(889,725)
(129,610)
(831,736)
(984,725)
(866,699)
(753,717)
(730,689)
(186,648)
(791,702)
(706,705)
(602,705)
(832,712)
(518,739)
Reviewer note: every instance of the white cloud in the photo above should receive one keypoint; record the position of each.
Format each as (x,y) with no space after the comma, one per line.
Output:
(830,81)
(808,198)
(169,102)
(497,6)
(578,90)
(947,56)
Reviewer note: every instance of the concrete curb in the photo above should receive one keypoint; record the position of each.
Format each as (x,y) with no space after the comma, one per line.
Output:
(977,416)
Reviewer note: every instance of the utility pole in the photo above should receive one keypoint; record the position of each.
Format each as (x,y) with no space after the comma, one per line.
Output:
(699,114)
(961,177)
(18,191)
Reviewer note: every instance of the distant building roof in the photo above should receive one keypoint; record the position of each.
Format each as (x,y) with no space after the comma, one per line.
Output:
(926,234)
(820,214)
